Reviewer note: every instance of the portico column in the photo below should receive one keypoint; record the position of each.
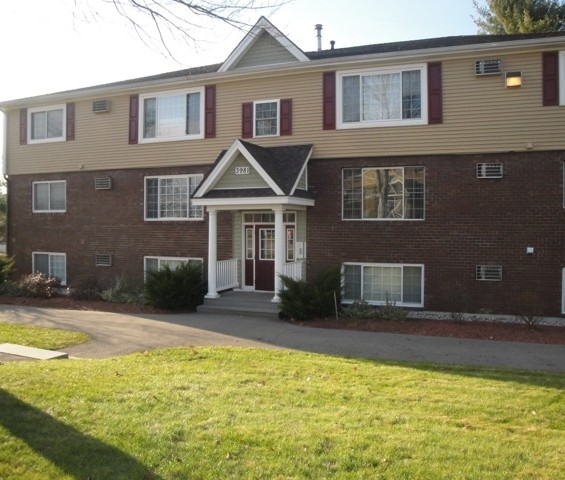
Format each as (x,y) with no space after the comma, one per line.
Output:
(279,251)
(212,253)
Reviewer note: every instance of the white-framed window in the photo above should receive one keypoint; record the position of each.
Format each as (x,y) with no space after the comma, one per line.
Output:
(168,198)
(266,118)
(51,264)
(173,115)
(46,124)
(154,264)
(377,193)
(379,283)
(382,97)
(49,196)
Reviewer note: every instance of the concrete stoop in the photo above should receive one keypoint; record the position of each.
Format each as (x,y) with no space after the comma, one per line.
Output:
(241,303)
(31,352)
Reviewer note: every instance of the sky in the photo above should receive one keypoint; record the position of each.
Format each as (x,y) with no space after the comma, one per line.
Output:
(47,46)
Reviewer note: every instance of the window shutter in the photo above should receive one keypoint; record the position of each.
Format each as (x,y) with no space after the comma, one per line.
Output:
(210,111)
(550,71)
(23,126)
(435,102)
(247,120)
(329,100)
(133,119)
(286,117)
(70,121)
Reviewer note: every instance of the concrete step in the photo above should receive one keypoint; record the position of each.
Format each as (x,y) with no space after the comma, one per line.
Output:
(241,303)
(31,352)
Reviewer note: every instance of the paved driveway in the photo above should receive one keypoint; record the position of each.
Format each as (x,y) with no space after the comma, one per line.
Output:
(115,334)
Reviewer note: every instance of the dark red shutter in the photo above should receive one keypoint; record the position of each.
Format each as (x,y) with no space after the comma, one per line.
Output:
(210,111)
(329,100)
(133,119)
(70,121)
(247,120)
(550,72)
(286,117)
(23,126)
(435,101)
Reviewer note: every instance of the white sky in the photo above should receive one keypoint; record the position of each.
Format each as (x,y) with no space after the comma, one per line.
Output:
(45,49)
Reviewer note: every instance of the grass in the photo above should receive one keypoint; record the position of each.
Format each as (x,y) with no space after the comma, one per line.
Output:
(222,413)
(40,337)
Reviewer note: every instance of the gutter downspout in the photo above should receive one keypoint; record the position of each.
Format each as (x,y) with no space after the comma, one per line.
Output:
(4,165)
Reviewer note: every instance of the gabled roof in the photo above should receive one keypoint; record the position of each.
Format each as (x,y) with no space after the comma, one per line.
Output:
(280,167)
(262,27)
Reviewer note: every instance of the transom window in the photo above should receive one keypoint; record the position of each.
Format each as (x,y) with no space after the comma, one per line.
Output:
(153,264)
(46,124)
(169,198)
(383,193)
(51,264)
(381,283)
(173,115)
(50,196)
(382,97)
(266,121)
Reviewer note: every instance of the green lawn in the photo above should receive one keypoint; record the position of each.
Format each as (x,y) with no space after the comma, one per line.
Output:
(219,413)
(39,337)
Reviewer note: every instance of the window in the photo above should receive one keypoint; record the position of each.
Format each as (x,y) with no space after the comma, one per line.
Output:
(154,264)
(51,264)
(168,198)
(381,283)
(383,193)
(47,124)
(382,97)
(174,115)
(50,196)
(266,122)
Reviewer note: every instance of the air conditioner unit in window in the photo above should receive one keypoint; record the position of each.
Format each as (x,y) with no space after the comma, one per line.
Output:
(489,170)
(103,183)
(101,106)
(488,67)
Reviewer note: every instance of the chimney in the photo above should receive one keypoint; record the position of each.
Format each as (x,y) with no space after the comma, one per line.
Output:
(332,43)
(318,28)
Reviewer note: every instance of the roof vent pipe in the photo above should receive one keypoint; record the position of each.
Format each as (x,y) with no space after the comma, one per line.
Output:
(318,28)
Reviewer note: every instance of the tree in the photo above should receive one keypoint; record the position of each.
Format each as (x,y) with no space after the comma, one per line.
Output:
(519,16)
(166,21)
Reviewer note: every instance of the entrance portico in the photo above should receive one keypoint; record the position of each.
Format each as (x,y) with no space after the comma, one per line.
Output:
(266,188)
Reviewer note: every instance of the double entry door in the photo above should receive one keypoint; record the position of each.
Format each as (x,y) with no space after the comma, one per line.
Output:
(260,255)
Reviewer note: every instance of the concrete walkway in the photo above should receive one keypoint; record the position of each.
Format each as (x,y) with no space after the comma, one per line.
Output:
(115,334)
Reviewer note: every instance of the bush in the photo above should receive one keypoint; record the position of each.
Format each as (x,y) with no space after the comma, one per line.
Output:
(6,267)
(39,285)
(181,288)
(123,291)
(300,300)
(361,310)
(86,289)
(529,308)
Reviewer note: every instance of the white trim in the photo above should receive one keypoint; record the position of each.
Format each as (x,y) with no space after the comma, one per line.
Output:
(165,94)
(303,171)
(249,40)
(423,120)
(31,111)
(278,119)
(561,69)
(252,202)
(49,254)
(49,210)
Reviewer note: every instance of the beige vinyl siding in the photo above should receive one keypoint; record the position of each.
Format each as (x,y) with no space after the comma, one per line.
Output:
(265,51)
(480,116)
(230,180)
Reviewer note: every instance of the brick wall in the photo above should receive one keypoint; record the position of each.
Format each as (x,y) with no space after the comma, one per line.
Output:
(105,222)
(468,222)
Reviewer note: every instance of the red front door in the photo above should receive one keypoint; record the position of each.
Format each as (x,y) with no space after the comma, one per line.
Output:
(260,257)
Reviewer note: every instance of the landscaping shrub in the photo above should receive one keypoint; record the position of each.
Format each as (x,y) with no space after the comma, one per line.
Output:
(86,289)
(529,308)
(362,310)
(6,267)
(123,291)
(39,285)
(174,289)
(301,300)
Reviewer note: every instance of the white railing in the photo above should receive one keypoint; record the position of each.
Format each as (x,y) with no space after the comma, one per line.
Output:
(293,270)
(226,274)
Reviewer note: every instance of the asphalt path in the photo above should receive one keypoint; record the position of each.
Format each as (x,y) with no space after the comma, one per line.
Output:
(117,334)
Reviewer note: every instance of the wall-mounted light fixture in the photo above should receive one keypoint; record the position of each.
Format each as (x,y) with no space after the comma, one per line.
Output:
(513,79)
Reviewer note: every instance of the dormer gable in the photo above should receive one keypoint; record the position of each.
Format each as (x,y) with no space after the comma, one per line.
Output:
(263,45)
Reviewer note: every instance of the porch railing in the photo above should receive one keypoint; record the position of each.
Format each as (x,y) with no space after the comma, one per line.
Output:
(226,274)
(293,270)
